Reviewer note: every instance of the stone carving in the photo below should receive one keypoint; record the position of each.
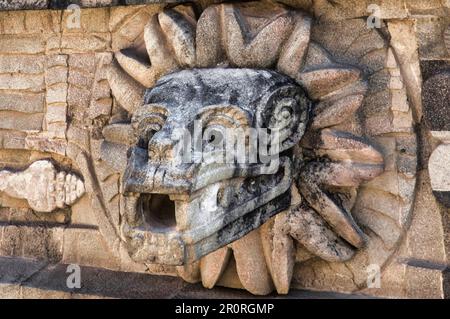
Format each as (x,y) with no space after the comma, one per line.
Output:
(43,186)
(56,103)
(447,38)
(178,214)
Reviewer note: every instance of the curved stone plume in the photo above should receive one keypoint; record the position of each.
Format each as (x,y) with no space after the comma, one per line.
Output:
(336,216)
(213,265)
(181,32)
(354,161)
(328,113)
(309,229)
(125,89)
(250,264)
(260,46)
(283,254)
(344,146)
(43,186)
(321,82)
(209,51)
(160,55)
(169,39)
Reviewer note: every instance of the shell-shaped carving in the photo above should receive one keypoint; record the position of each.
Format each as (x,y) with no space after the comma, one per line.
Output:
(43,186)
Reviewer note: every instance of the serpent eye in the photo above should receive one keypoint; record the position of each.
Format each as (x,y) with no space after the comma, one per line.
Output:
(213,136)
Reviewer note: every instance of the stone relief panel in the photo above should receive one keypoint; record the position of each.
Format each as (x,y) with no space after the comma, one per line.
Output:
(338,216)
(103,103)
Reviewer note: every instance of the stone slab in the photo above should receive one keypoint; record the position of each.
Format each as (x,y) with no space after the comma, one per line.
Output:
(63,4)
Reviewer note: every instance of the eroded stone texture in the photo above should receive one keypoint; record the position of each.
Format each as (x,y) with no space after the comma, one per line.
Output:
(66,96)
(162,113)
(436,97)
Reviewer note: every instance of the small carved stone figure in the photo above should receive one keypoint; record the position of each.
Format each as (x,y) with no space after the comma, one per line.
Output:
(45,188)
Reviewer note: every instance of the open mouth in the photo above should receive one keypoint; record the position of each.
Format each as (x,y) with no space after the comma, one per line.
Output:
(179,228)
(158,212)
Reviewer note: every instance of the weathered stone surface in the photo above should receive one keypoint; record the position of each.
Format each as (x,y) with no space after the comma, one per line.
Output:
(78,114)
(32,242)
(46,144)
(447,39)
(91,21)
(212,266)
(315,80)
(76,43)
(431,37)
(405,46)
(119,133)
(128,93)
(57,93)
(250,264)
(87,247)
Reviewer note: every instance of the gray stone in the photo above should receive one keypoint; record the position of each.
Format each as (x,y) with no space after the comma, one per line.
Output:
(23,4)
(436,96)
(21,121)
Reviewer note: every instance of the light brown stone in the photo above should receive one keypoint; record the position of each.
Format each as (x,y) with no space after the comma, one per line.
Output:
(21,121)
(57,93)
(404,43)
(56,113)
(212,266)
(22,102)
(76,43)
(13,44)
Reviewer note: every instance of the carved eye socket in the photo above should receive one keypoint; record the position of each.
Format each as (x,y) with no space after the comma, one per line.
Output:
(146,121)
(214,135)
